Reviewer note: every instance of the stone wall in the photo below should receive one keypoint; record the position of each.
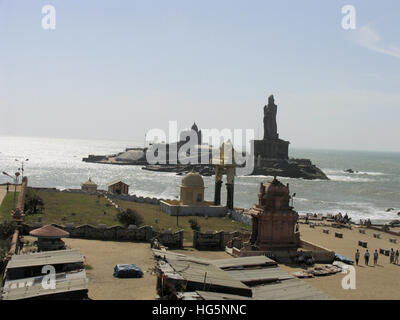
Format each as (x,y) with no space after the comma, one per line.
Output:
(124,197)
(240,216)
(242,236)
(192,210)
(116,233)
(22,194)
(208,240)
(170,239)
(319,253)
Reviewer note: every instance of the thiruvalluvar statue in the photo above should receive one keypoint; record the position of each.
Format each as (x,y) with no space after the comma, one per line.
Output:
(270,127)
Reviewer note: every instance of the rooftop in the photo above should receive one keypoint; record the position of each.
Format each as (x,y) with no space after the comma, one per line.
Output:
(45,258)
(115,182)
(49,231)
(26,288)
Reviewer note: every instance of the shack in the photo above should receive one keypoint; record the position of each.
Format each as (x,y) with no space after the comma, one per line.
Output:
(256,278)
(25,274)
(118,187)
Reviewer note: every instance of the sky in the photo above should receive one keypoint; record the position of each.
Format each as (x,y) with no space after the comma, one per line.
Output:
(116,69)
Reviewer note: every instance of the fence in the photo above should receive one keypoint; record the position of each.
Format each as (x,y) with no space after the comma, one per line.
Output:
(117,233)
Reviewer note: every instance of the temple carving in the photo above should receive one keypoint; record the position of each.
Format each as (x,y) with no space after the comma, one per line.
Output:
(274,220)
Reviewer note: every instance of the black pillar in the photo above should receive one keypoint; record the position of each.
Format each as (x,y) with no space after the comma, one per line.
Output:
(217,194)
(229,198)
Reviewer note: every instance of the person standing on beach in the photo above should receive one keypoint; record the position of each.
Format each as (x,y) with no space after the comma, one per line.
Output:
(366,257)
(357,257)
(391,255)
(376,257)
(396,257)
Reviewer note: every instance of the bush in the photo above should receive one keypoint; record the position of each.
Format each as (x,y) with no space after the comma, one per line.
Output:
(128,217)
(33,203)
(194,225)
(7,229)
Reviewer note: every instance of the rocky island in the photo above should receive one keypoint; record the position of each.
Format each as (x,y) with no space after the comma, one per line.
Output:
(271,155)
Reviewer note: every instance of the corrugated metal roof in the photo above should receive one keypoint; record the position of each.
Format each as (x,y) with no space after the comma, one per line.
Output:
(291,289)
(267,274)
(207,295)
(201,273)
(274,283)
(244,262)
(32,287)
(45,258)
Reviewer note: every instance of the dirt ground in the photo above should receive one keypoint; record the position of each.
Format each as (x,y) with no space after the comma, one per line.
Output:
(380,282)
(102,256)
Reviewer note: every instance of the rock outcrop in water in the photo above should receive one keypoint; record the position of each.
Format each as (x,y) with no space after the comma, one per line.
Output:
(271,155)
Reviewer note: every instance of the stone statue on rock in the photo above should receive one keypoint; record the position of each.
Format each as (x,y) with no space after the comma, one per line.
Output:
(270,126)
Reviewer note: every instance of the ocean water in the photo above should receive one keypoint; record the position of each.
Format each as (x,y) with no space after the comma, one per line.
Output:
(365,194)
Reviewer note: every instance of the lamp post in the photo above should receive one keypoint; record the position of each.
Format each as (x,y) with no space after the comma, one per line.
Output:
(22,166)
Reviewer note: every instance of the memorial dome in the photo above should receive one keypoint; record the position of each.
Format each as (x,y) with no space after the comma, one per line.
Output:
(192,180)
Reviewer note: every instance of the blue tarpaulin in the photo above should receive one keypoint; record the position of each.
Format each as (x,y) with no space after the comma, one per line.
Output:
(127,271)
(340,257)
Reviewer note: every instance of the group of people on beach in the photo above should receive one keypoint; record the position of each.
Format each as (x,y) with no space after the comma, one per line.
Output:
(394,257)
(342,219)
(366,222)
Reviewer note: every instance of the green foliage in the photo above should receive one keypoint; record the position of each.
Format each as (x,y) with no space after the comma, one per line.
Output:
(7,229)
(130,216)
(33,203)
(7,206)
(194,225)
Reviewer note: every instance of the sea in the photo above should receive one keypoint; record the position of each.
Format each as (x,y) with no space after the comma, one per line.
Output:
(367,193)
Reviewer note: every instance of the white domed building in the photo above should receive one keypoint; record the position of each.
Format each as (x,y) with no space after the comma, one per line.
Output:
(192,202)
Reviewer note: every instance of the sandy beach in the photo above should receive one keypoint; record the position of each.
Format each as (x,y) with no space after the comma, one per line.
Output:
(380,282)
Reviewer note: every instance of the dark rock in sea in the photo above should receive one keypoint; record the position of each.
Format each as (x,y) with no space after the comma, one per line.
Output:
(349,171)
(292,168)
(394,223)
(389,209)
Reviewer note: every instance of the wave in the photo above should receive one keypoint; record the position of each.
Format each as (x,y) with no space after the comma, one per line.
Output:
(330,171)
(348,179)
(355,210)
(371,173)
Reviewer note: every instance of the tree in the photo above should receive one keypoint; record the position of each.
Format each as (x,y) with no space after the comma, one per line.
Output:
(128,217)
(7,229)
(33,203)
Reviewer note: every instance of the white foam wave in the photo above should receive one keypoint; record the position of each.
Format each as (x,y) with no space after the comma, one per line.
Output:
(330,171)
(348,179)
(371,173)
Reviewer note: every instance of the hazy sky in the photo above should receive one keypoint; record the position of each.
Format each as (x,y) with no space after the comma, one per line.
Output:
(115,69)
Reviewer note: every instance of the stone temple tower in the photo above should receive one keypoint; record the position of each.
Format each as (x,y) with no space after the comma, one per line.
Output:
(274,220)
